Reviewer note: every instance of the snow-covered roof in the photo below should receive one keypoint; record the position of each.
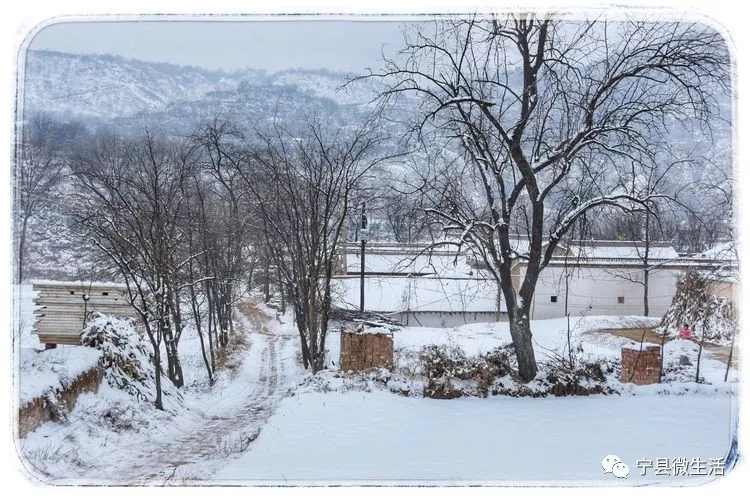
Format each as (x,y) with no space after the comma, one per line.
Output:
(81,285)
(394,258)
(723,251)
(622,250)
(401,293)
(408,263)
(604,249)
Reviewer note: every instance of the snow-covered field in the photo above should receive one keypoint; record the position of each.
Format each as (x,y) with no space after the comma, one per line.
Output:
(377,437)
(335,430)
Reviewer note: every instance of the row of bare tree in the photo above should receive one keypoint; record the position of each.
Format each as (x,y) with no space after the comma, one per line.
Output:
(182,222)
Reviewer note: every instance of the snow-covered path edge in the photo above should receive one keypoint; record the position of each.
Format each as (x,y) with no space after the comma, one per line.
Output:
(228,428)
(188,447)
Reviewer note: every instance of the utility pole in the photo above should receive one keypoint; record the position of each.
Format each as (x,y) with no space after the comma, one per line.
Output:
(363,236)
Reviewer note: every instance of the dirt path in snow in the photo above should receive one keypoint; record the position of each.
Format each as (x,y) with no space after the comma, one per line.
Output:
(720,352)
(225,431)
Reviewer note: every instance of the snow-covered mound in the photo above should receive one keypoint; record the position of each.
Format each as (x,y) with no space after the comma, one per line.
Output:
(53,369)
(126,359)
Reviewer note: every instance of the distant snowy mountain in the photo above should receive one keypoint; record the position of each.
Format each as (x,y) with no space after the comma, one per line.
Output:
(103,86)
(132,94)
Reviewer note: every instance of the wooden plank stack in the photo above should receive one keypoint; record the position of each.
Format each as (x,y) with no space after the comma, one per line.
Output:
(63,308)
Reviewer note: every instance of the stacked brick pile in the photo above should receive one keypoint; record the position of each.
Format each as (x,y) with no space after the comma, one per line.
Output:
(363,351)
(641,367)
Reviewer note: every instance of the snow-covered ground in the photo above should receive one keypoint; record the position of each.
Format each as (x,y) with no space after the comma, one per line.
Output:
(378,437)
(592,334)
(53,370)
(339,428)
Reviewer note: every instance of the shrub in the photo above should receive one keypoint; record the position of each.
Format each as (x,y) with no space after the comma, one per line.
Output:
(708,315)
(126,362)
(438,361)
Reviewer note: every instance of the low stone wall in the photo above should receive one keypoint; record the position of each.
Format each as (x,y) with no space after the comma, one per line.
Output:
(364,351)
(640,366)
(40,409)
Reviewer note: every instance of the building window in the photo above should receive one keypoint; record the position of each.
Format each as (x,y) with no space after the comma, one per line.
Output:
(621,300)
(553,298)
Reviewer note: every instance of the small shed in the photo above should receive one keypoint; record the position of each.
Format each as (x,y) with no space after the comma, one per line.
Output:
(62,308)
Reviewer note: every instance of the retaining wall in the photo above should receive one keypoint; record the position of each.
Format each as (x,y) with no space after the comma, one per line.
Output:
(39,410)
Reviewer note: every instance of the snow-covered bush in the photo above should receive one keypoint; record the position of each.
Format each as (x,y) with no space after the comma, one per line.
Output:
(577,377)
(438,361)
(443,363)
(449,374)
(709,316)
(126,360)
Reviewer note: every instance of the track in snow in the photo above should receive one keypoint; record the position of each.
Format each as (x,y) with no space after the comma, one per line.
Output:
(223,431)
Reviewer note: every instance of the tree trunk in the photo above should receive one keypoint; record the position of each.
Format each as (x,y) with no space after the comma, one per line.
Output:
(281,290)
(199,328)
(661,365)
(647,249)
(250,274)
(157,376)
(520,333)
(729,361)
(22,248)
(700,352)
(174,367)
(211,332)
(267,284)
(306,361)
(179,378)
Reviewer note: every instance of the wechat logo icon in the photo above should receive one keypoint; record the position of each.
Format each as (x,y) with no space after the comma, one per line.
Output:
(612,464)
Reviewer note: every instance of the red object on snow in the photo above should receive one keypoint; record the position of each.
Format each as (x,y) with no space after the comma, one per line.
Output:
(685,333)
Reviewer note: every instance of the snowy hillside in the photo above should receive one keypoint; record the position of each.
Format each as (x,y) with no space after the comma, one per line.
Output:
(105,86)
(131,93)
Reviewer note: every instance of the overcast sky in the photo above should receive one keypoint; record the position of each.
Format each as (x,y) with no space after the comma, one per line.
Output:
(271,45)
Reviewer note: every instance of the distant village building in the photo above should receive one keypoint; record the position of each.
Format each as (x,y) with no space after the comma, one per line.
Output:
(723,271)
(605,278)
(441,288)
(418,288)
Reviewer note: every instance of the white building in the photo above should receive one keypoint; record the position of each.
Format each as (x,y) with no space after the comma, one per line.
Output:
(605,278)
(441,288)
(436,289)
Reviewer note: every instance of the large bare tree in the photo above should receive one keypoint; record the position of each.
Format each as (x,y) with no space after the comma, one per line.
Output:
(539,110)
